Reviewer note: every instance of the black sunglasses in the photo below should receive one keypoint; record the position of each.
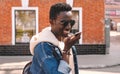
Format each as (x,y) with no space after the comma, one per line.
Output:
(65,22)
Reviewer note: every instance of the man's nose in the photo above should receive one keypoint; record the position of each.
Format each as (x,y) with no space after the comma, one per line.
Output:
(68,26)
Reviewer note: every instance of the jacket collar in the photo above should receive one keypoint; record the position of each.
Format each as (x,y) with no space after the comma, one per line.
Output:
(44,36)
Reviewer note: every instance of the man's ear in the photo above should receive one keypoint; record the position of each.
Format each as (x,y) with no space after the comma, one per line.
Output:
(51,21)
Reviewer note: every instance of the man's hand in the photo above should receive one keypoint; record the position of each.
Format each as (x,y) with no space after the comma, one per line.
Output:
(71,40)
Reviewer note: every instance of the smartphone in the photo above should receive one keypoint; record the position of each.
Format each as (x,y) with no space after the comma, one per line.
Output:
(77,33)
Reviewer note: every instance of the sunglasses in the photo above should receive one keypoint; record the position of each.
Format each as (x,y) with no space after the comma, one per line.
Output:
(66,22)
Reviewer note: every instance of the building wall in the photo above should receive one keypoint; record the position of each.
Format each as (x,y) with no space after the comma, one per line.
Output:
(93,15)
(6,21)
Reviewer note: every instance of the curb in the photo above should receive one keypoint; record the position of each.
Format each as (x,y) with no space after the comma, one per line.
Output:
(20,67)
(98,66)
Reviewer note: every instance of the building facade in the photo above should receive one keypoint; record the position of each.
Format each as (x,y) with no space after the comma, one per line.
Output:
(112,11)
(18,22)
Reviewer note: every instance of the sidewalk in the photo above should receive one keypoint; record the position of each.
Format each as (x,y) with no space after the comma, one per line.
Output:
(84,61)
(13,62)
(100,61)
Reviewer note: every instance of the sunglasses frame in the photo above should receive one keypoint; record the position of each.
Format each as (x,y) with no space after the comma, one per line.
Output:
(65,23)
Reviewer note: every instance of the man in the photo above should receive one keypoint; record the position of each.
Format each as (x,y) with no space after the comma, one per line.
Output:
(51,47)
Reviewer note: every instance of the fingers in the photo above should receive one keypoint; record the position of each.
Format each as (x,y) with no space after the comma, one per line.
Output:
(71,40)
(78,33)
(76,36)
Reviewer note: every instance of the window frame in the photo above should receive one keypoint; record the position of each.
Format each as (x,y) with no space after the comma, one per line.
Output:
(13,20)
(79,9)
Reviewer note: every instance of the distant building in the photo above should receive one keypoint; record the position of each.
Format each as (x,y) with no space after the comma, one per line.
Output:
(112,11)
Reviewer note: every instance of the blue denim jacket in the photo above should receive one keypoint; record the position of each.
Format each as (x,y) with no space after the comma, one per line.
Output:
(46,62)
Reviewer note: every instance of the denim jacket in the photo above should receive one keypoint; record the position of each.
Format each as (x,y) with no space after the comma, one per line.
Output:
(47,60)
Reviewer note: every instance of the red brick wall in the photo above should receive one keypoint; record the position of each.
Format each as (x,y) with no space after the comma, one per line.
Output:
(44,6)
(93,13)
(6,21)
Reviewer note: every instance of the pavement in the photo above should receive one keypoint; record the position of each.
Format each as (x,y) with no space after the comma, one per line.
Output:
(8,64)
(107,60)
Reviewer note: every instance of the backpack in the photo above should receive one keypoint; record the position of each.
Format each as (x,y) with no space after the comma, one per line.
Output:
(26,68)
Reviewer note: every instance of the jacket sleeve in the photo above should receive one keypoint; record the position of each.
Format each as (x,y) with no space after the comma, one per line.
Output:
(50,65)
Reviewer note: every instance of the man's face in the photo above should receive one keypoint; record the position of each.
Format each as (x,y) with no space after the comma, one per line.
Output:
(63,24)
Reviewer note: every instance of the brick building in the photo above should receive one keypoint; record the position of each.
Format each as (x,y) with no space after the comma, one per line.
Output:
(13,28)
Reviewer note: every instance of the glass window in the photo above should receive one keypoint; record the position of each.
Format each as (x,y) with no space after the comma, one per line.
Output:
(112,2)
(112,12)
(76,18)
(25,25)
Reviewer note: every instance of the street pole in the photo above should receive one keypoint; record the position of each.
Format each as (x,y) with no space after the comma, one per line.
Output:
(107,34)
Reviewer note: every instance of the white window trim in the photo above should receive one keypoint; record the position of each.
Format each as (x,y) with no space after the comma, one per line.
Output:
(13,18)
(80,21)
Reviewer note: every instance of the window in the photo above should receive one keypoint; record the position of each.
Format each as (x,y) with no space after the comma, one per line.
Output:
(112,2)
(112,12)
(77,16)
(24,24)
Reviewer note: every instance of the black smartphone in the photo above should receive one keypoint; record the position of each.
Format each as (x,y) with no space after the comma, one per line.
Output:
(77,33)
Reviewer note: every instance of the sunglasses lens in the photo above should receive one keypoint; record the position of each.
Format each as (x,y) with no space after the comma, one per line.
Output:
(72,22)
(66,23)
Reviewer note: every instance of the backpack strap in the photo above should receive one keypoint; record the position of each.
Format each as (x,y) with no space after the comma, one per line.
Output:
(56,52)
(75,60)
(26,69)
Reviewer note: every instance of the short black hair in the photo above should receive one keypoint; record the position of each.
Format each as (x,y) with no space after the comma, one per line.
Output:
(57,8)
